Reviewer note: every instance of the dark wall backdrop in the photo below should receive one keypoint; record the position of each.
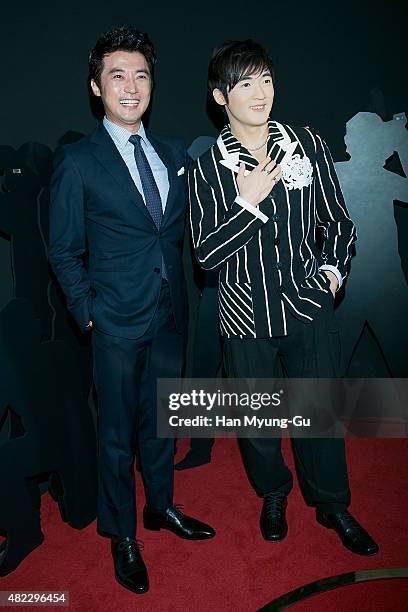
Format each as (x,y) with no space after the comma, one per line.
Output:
(332,60)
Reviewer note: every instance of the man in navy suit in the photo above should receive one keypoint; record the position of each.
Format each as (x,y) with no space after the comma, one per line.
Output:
(119,198)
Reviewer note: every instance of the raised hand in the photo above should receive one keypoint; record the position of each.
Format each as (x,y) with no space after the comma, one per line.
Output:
(258,184)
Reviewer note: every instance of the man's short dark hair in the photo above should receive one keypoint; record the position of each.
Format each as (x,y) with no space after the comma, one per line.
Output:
(234,59)
(121,38)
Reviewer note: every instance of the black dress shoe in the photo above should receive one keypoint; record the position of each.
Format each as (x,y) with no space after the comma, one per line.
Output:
(182,525)
(352,534)
(130,570)
(273,517)
(193,459)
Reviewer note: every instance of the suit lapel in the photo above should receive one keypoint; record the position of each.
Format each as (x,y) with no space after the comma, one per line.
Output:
(108,155)
(280,147)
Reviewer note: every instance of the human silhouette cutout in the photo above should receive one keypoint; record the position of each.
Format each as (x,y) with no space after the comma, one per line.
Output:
(377,292)
(25,173)
(24,211)
(49,431)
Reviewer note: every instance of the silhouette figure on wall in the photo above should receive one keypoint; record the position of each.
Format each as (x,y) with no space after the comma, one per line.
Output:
(49,430)
(24,210)
(21,186)
(377,292)
(206,353)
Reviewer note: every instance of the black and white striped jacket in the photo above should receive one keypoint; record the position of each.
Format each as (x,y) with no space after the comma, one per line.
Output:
(267,257)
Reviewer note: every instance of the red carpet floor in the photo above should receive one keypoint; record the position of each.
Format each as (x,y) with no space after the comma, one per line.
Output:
(237,570)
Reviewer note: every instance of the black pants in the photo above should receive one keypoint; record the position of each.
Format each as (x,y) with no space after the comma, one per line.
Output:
(311,350)
(125,373)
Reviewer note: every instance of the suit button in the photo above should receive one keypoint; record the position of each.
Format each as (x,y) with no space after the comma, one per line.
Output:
(157,270)
(275,217)
(278,265)
(277,240)
(282,288)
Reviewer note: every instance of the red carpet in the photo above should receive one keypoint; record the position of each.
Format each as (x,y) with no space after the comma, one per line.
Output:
(237,570)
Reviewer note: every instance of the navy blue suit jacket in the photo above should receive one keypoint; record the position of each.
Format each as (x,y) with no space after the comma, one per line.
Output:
(104,247)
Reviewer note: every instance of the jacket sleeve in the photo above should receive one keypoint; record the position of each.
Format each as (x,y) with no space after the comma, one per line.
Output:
(219,228)
(332,215)
(67,235)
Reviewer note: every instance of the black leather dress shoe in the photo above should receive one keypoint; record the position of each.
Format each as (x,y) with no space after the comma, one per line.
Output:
(352,534)
(193,459)
(182,525)
(130,570)
(273,517)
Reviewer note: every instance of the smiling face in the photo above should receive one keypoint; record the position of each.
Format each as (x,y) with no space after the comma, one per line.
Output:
(125,88)
(249,101)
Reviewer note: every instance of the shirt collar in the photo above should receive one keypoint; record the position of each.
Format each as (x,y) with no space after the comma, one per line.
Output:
(120,135)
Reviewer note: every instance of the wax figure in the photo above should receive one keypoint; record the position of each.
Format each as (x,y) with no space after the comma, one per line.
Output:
(257,198)
(120,196)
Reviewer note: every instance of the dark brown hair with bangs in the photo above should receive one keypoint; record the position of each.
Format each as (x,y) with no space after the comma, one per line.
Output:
(233,60)
(120,38)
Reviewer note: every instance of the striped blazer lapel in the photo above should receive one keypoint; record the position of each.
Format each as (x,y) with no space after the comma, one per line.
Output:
(280,146)
(296,167)
(229,160)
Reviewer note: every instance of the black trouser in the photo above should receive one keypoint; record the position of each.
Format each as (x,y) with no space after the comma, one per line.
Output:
(311,350)
(125,373)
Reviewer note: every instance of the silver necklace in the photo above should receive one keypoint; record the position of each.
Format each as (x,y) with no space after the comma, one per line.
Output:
(260,147)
